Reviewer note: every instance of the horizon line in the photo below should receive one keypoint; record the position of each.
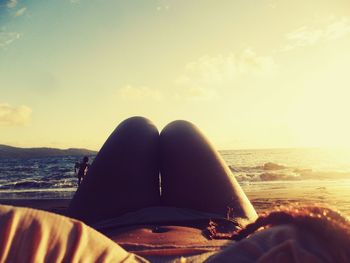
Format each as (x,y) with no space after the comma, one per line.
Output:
(219,150)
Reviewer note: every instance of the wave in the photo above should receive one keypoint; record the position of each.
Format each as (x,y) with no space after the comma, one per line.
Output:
(58,173)
(37,184)
(277,172)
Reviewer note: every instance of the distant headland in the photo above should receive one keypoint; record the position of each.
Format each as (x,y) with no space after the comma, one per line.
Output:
(7,151)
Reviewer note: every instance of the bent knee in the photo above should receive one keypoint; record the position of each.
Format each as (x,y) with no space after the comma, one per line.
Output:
(137,122)
(177,127)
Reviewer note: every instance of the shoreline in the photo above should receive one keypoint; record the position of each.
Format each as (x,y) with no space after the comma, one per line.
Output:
(263,201)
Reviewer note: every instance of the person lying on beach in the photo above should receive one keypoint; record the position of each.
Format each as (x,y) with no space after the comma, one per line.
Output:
(80,169)
(296,235)
(168,197)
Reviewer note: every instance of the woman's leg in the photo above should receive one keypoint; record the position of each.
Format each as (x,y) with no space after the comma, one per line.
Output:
(195,176)
(124,175)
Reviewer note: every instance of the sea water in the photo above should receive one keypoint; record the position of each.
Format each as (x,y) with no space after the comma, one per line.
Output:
(270,177)
(298,177)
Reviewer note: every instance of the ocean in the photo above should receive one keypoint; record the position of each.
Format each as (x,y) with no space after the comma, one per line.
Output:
(270,177)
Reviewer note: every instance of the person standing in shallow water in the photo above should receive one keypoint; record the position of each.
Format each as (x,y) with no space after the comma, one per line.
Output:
(82,169)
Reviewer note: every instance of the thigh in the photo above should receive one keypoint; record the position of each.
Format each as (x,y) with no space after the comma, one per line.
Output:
(124,175)
(195,176)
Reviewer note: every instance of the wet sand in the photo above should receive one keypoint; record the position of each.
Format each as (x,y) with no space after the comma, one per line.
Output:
(265,196)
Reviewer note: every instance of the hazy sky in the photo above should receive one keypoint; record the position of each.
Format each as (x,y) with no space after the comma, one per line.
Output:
(250,74)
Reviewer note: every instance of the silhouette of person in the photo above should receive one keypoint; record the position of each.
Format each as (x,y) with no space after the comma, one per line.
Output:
(81,169)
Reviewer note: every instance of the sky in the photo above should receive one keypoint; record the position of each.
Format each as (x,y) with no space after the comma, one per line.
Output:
(249,74)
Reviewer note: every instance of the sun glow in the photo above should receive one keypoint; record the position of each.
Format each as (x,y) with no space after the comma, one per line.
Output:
(245,76)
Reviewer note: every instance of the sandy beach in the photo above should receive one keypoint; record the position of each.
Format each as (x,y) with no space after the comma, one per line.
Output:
(263,197)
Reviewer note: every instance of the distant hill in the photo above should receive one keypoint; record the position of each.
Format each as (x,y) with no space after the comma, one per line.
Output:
(16,152)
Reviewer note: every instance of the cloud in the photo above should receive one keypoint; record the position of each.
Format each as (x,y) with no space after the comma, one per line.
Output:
(11,3)
(204,77)
(8,4)
(20,11)
(309,36)
(6,38)
(163,5)
(9,10)
(14,116)
(139,93)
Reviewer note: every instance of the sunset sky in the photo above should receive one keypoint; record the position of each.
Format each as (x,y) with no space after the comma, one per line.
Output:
(250,74)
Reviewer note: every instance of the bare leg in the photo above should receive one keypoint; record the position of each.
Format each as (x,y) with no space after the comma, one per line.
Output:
(123,176)
(195,176)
